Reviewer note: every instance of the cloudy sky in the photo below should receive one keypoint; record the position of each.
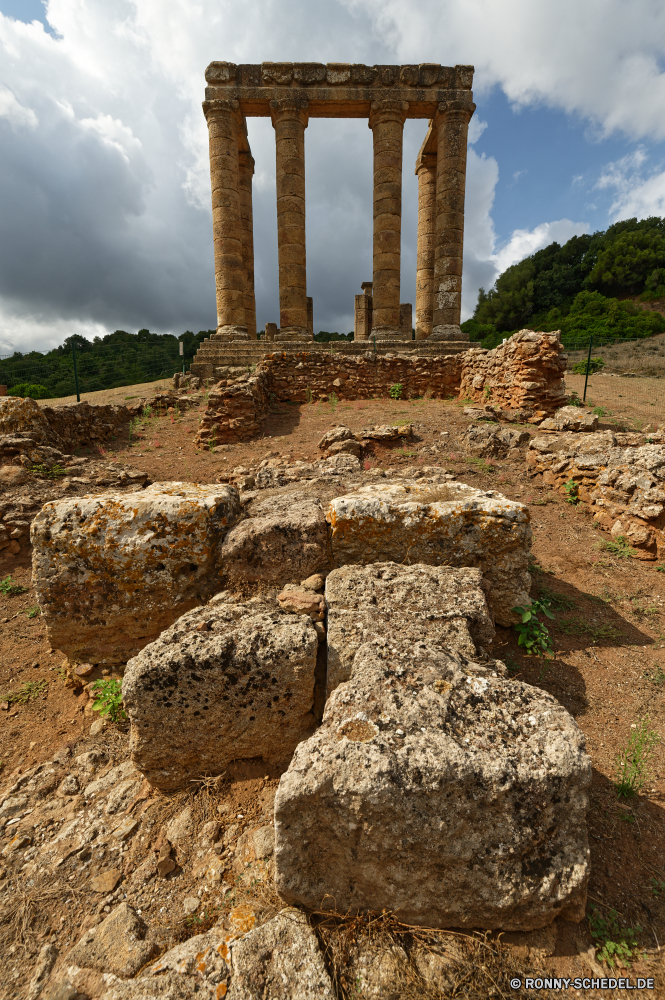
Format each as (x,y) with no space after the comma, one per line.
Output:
(104,185)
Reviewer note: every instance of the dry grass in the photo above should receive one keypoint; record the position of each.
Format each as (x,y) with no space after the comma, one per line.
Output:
(414,963)
(641,357)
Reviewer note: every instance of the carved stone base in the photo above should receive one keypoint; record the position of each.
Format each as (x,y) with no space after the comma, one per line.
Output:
(448,332)
(387,333)
(293,333)
(231,333)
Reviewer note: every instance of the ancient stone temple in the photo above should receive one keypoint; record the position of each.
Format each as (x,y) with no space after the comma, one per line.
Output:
(291,93)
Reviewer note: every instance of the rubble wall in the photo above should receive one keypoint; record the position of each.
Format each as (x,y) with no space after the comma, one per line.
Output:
(526,372)
(83,423)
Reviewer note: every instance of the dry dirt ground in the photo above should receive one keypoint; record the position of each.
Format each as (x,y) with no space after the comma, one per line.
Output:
(608,668)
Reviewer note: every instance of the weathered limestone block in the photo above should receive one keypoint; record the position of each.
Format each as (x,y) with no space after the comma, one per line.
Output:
(281,960)
(491,441)
(235,412)
(448,525)
(113,571)
(225,682)
(24,418)
(571,418)
(438,605)
(200,957)
(438,790)
(286,545)
(168,986)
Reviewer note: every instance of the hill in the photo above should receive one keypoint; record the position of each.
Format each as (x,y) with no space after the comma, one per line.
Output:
(592,285)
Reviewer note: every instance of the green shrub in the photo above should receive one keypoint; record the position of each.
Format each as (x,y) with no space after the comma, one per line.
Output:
(29,390)
(634,760)
(533,634)
(594,365)
(9,588)
(395,391)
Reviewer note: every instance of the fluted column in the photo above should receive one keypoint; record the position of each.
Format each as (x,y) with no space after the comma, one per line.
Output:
(289,118)
(223,118)
(426,173)
(452,124)
(386,121)
(246,163)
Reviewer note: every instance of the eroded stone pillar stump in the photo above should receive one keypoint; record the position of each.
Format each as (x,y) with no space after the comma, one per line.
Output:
(289,118)
(386,121)
(452,125)
(223,118)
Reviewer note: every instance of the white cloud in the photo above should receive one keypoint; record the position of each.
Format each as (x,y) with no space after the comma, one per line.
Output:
(600,59)
(14,112)
(104,170)
(639,189)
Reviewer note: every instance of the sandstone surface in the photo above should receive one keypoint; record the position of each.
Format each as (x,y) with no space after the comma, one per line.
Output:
(438,605)
(490,441)
(440,791)
(280,960)
(571,418)
(117,945)
(284,545)
(113,571)
(451,525)
(226,682)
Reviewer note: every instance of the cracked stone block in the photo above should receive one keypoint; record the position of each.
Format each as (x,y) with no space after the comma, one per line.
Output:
(443,525)
(113,571)
(441,791)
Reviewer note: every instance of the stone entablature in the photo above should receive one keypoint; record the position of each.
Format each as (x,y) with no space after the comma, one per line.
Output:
(291,93)
(338,90)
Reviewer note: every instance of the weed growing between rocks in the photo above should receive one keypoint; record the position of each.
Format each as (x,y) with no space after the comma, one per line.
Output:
(9,588)
(617,944)
(619,547)
(533,635)
(634,760)
(26,693)
(109,699)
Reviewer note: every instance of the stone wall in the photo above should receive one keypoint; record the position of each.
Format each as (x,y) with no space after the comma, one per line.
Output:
(84,424)
(524,373)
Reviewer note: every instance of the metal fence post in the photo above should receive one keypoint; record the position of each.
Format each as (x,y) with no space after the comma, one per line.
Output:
(76,376)
(588,365)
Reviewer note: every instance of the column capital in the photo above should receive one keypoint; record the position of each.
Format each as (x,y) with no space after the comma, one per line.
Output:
(291,108)
(461,110)
(425,161)
(383,111)
(221,109)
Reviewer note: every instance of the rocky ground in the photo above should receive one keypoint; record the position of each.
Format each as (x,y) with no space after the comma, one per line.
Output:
(58,881)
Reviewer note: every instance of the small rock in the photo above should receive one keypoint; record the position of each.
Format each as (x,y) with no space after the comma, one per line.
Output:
(45,962)
(117,945)
(97,726)
(19,842)
(126,829)
(165,866)
(190,904)
(83,669)
(107,881)
(314,582)
(302,602)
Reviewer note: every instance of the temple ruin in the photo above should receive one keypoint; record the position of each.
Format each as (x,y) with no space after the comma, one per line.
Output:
(291,93)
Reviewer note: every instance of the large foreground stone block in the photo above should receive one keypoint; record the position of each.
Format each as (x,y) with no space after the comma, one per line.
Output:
(433,604)
(113,571)
(441,791)
(225,682)
(448,525)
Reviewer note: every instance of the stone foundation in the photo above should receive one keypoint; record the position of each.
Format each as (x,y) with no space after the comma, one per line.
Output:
(524,373)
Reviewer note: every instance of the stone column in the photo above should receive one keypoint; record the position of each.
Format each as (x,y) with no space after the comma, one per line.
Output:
(289,118)
(452,125)
(310,317)
(406,320)
(223,118)
(426,173)
(271,332)
(246,162)
(386,121)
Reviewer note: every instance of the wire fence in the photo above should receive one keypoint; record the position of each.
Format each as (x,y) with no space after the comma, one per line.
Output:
(623,378)
(77,371)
